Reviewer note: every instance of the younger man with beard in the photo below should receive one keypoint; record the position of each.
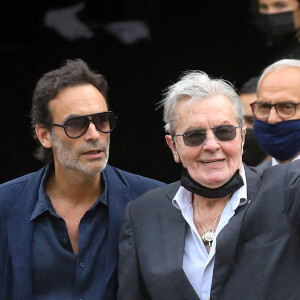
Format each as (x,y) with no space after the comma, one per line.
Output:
(60,225)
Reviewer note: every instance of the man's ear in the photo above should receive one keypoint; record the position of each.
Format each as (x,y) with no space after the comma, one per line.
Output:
(244,132)
(44,135)
(172,146)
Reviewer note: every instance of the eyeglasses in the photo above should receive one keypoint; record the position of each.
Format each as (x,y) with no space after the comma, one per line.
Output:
(76,127)
(196,137)
(262,109)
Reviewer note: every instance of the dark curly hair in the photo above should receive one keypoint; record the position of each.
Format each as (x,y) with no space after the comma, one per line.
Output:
(72,73)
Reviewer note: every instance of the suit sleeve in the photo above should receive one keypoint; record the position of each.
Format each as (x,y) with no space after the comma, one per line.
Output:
(292,184)
(131,284)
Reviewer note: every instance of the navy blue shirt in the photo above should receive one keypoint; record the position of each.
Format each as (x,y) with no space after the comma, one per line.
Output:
(57,273)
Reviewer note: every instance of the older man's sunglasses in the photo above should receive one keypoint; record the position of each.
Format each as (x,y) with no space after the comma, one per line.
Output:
(198,136)
(76,127)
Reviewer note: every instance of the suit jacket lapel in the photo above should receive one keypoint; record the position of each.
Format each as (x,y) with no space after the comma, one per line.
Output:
(228,237)
(118,197)
(174,228)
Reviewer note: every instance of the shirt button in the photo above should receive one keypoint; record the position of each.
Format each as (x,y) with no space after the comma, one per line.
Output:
(82,265)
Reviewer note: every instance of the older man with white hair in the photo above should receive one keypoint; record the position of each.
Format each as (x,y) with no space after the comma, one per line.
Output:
(222,232)
(277,112)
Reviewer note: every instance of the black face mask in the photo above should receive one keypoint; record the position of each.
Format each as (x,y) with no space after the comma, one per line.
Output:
(253,154)
(275,25)
(232,185)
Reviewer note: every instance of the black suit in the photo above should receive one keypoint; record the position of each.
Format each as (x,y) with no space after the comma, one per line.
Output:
(257,253)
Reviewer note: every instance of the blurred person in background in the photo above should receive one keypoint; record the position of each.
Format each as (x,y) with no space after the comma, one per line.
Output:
(253,154)
(277,112)
(279,22)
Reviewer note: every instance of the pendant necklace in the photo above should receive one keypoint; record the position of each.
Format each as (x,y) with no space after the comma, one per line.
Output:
(209,235)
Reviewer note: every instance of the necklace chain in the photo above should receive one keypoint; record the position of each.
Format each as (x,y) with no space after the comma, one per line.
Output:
(210,234)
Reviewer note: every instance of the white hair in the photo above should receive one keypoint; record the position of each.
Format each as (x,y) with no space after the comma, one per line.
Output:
(195,86)
(278,65)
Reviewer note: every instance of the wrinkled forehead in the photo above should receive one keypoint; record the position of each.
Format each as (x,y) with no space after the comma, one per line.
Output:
(214,109)
(78,100)
(189,105)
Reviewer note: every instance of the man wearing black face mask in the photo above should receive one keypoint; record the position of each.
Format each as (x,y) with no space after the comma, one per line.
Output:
(279,21)
(277,111)
(253,154)
(222,232)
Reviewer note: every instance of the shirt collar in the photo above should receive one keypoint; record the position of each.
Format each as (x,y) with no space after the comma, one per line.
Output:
(44,204)
(183,197)
(275,162)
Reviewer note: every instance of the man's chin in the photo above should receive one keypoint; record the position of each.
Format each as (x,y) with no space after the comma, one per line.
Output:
(92,169)
(96,169)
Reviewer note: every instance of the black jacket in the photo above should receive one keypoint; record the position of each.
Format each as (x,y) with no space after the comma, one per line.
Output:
(257,253)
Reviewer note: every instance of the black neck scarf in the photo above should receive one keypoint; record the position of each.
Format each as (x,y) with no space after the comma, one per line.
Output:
(232,185)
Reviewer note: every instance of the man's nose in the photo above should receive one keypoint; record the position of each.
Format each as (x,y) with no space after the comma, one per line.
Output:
(211,143)
(273,117)
(92,133)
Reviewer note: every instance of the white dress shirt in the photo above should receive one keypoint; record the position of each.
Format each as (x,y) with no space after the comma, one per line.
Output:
(198,264)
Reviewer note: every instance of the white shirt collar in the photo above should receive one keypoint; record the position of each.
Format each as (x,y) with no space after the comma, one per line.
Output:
(275,162)
(197,264)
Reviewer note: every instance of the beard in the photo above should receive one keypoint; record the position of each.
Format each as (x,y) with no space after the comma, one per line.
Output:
(69,157)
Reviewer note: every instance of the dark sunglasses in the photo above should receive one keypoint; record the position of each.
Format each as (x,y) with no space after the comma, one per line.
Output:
(76,127)
(197,137)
